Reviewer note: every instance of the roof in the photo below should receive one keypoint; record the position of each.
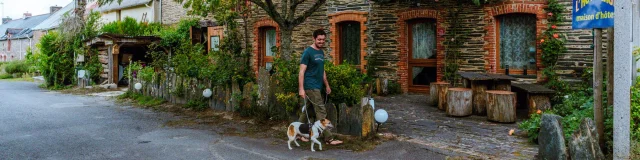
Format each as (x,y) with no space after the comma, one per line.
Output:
(125,4)
(22,24)
(122,39)
(54,20)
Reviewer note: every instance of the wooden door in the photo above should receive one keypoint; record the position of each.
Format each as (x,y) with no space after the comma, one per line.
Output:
(422,54)
(350,43)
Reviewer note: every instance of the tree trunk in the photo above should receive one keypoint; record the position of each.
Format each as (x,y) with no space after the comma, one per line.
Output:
(501,106)
(479,94)
(285,47)
(459,102)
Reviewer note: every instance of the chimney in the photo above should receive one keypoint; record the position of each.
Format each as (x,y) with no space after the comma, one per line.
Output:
(27,15)
(6,20)
(53,9)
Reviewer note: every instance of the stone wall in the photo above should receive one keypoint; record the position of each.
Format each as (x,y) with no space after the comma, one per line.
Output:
(384,26)
(172,12)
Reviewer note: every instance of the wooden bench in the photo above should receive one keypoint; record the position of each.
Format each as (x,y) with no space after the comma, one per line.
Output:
(535,97)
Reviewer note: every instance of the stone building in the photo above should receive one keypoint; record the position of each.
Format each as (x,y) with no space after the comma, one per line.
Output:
(408,39)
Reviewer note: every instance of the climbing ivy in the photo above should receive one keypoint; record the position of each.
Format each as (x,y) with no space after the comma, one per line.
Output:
(552,45)
(454,42)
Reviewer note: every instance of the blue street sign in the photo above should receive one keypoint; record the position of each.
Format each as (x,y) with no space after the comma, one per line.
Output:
(588,14)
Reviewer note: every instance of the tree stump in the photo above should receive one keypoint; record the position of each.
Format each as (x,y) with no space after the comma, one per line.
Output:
(538,102)
(501,106)
(442,88)
(433,92)
(459,102)
(504,85)
(479,94)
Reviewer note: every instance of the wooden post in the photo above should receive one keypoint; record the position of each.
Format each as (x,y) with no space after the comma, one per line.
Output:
(597,85)
(459,102)
(610,66)
(501,106)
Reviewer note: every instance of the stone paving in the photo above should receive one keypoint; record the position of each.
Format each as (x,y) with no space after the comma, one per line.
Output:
(413,120)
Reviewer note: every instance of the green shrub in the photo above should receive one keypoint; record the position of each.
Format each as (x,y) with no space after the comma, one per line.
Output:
(6,76)
(347,83)
(394,88)
(130,26)
(198,104)
(635,110)
(531,126)
(16,67)
(286,73)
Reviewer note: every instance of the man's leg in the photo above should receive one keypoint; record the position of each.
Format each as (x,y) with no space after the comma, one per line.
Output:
(321,110)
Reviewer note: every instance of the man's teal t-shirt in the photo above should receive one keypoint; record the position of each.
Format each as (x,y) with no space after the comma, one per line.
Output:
(313,76)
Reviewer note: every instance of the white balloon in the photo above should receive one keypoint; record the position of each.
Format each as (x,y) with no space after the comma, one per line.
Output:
(207,93)
(138,86)
(381,116)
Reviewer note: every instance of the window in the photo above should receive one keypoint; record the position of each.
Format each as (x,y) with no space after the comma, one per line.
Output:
(267,43)
(517,43)
(422,54)
(215,43)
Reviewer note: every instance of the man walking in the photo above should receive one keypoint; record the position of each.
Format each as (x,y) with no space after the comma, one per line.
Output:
(311,79)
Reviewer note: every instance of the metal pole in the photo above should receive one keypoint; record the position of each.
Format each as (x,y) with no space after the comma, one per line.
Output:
(622,77)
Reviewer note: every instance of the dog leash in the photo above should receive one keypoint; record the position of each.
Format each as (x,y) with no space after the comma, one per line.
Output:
(314,104)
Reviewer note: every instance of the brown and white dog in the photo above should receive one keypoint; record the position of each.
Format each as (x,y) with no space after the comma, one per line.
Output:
(297,128)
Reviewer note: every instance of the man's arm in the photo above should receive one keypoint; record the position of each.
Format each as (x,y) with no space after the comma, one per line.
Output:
(303,68)
(326,83)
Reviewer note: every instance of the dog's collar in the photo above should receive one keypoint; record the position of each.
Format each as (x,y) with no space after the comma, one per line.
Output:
(320,130)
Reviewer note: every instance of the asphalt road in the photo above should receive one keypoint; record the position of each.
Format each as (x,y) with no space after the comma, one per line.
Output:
(40,124)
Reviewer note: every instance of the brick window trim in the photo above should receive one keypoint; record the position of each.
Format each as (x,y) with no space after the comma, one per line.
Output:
(491,11)
(214,31)
(403,47)
(334,19)
(265,22)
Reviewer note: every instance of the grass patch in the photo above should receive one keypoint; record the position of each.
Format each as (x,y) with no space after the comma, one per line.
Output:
(84,91)
(635,150)
(142,100)
(6,76)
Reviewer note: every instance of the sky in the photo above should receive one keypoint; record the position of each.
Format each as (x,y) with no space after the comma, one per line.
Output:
(16,8)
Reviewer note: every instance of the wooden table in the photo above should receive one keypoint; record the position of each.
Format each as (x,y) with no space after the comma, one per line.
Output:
(480,83)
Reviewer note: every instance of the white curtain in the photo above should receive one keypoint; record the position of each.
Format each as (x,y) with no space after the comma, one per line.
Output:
(424,40)
(517,40)
(270,41)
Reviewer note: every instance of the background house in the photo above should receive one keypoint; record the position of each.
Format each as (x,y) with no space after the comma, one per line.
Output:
(141,10)
(17,35)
